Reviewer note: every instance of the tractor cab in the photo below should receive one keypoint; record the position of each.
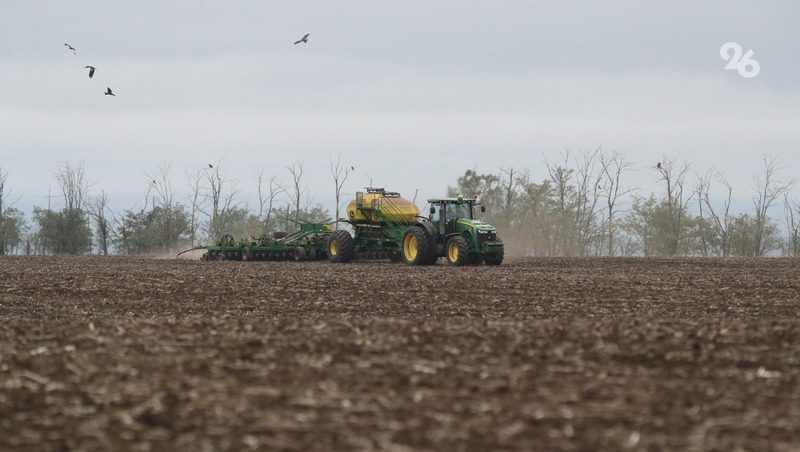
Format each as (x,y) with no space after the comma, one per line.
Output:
(445,212)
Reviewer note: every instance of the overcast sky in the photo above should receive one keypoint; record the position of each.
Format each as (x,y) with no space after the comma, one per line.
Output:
(411,93)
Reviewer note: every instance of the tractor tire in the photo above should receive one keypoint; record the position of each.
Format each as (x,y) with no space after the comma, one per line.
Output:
(279,235)
(416,247)
(457,251)
(494,258)
(341,247)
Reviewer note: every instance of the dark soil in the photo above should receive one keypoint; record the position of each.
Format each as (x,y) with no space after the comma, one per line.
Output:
(551,354)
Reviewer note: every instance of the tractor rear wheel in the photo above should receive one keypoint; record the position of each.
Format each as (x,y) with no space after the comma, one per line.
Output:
(457,251)
(341,246)
(416,247)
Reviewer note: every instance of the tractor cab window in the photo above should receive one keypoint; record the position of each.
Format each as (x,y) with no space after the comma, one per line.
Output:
(437,213)
(458,210)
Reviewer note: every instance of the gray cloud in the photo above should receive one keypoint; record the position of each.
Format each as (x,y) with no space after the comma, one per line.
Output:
(414,92)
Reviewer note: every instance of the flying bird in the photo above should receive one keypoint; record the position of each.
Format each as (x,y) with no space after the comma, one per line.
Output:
(210,165)
(71,48)
(304,39)
(658,165)
(91,70)
(109,92)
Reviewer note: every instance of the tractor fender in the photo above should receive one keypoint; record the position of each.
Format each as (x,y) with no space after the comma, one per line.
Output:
(428,226)
(430,231)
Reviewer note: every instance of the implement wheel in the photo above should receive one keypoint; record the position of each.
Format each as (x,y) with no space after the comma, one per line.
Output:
(416,247)
(457,251)
(341,247)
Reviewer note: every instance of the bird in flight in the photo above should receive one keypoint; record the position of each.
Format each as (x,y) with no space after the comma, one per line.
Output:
(91,70)
(304,39)
(658,165)
(71,48)
(109,92)
(210,165)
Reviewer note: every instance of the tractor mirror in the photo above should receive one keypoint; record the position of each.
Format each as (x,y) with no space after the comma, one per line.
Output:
(483,209)
(433,210)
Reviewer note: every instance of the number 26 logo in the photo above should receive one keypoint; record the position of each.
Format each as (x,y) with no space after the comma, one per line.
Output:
(744,64)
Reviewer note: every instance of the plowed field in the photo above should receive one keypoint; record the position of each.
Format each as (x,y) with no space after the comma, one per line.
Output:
(572,354)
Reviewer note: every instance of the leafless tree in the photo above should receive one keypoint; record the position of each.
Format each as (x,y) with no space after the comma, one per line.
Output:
(195,188)
(768,189)
(611,167)
(98,210)
(560,177)
(674,178)
(791,210)
(587,183)
(720,216)
(73,185)
(577,185)
(297,189)
(267,192)
(339,173)
(163,195)
(220,198)
(508,182)
(6,204)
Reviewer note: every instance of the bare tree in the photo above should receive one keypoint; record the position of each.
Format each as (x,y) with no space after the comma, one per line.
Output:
(560,176)
(4,194)
(509,183)
(768,189)
(163,198)
(339,173)
(6,205)
(67,231)
(220,198)
(98,210)
(791,209)
(674,178)
(577,189)
(195,183)
(73,185)
(720,217)
(266,197)
(296,170)
(587,183)
(612,166)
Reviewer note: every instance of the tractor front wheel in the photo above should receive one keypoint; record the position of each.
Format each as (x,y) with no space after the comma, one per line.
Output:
(457,251)
(341,246)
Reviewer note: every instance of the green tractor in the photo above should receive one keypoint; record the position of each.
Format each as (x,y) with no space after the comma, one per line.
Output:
(452,232)
(386,225)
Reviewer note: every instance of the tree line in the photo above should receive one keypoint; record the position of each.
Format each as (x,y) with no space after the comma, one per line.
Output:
(583,207)
(85,223)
